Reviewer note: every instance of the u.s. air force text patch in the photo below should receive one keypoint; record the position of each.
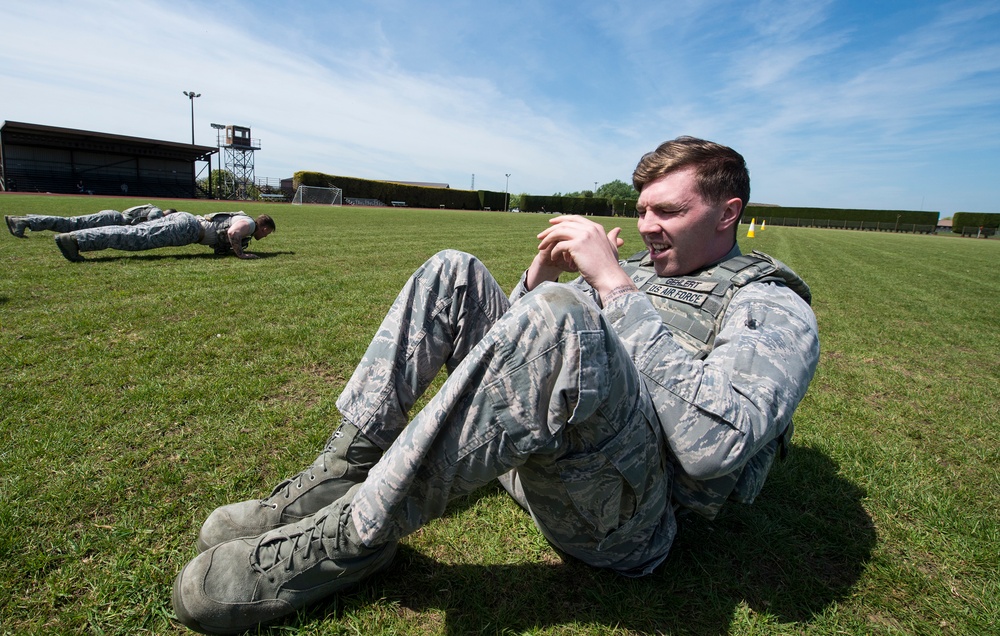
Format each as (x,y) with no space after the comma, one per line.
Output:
(685,290)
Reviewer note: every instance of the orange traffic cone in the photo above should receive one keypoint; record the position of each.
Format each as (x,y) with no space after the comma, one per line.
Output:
(750,233)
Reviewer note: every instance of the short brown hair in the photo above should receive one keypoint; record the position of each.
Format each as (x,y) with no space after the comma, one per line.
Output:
(720,172)
(265,221)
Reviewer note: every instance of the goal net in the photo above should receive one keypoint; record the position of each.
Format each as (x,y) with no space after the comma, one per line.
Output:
(320,196)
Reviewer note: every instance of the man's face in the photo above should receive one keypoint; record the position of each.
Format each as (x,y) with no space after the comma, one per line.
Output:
(680,230)
(261,232)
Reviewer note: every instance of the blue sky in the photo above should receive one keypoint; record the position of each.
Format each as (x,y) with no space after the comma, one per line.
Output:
(886,105)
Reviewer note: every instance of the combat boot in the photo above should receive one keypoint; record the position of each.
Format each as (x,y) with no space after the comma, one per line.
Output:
(16,224)
(68,247)
(240,584)
(345,461)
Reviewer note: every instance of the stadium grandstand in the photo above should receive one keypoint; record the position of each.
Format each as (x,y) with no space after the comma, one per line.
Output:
(37,158)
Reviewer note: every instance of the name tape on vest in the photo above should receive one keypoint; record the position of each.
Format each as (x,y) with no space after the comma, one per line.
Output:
(690,284)
(681,295)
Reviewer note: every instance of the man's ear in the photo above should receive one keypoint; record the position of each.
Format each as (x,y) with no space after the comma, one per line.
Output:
(730,215)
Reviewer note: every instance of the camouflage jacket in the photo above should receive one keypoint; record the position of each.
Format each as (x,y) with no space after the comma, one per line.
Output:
(726,354)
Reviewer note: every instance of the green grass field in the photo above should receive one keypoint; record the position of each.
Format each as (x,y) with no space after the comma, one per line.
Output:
(142,390)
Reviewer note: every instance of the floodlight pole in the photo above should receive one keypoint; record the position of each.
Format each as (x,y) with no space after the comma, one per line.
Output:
(218,140)
(218,150)
(191,95)
(506,197)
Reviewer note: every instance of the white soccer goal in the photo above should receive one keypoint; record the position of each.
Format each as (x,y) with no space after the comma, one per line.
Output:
(319,196)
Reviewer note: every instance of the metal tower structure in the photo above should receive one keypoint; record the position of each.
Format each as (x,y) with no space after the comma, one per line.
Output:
(238,163)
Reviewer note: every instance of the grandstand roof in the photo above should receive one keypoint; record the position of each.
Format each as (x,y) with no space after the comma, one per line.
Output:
(68,138)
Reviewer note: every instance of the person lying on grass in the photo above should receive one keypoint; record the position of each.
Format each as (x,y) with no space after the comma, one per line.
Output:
(17,225)
(225,232)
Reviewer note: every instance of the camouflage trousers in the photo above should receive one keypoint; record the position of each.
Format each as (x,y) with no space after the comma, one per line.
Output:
(540,393)
(172,230)
(104,218)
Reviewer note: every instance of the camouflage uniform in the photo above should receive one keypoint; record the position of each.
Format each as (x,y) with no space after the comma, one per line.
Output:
(172,230)
(542,385)
(179,228)
(584,413)
(104,218)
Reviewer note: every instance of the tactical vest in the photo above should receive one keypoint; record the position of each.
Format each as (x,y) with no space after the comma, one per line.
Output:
(218,224)
(693,307)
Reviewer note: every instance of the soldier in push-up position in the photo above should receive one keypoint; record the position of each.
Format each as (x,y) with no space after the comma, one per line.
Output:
(225,232)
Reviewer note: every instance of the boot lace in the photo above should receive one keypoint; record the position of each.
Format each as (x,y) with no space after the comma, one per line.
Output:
(287,547)
(309,473)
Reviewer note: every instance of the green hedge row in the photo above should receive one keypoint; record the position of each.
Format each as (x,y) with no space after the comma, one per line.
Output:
(431,197)
(588,206)
(974,219)
(838,214)
(489,200)
(879,226)
(413,196)
(912,221)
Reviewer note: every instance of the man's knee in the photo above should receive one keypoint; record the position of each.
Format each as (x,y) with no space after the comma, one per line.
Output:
(558,294)
(564,303)
(455,269)
(453,256)
(454,261)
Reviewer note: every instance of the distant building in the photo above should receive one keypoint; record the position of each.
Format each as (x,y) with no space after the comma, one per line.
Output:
(288,186)
(37,158)
(944,225)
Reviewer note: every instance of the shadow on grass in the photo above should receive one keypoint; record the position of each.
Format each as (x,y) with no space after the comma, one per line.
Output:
(801,547)
(174,257)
